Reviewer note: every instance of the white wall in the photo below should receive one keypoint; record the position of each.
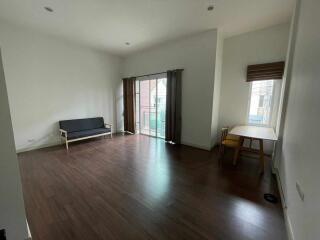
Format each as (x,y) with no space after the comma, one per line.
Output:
(262,46)
(196,55)
(299,155)
(50,79)
(12,214)
(217,91)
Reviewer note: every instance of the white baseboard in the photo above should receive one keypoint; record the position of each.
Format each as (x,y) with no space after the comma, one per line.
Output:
(196,145)
(284,206)
(29,233)
(45,145)
(288,225)
(283,200)
(26,149)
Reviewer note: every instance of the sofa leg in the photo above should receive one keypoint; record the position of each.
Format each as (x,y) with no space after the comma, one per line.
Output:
(67,145)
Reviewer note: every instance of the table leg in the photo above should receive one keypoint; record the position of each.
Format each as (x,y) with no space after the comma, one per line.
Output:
(237,151)
(261,156)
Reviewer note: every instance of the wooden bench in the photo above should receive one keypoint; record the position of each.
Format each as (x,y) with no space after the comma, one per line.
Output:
(81,129)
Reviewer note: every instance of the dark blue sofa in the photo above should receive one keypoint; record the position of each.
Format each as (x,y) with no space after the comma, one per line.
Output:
(80,129)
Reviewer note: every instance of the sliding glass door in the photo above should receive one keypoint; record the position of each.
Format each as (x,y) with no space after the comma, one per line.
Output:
(151,106)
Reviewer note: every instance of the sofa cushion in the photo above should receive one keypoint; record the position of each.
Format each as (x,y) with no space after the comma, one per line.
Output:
(77,125)
(87,133)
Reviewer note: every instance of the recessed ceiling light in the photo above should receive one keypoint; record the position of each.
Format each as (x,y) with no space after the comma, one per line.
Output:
(127,43)
(210,8)
(49,9)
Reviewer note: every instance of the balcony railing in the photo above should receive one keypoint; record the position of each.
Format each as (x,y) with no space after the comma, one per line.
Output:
(152,121)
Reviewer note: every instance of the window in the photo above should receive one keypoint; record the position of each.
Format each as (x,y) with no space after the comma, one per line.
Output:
(260,102)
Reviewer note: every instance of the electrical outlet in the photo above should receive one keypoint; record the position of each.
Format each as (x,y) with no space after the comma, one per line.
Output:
(300,192)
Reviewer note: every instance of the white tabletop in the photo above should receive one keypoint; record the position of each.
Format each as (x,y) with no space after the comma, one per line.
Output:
(254,132)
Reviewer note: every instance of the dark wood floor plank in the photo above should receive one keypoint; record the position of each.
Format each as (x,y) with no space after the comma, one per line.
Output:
(138,187)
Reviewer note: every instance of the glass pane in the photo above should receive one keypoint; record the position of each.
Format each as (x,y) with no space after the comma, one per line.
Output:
(137,113)
(137,87)
(144,106)
(161,103)
(260,102)
(153,99)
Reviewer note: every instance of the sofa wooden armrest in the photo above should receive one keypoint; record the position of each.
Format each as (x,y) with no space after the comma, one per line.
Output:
(109,125)
(63,133)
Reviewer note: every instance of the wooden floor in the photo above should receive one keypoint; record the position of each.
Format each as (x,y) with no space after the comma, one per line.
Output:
(138,187)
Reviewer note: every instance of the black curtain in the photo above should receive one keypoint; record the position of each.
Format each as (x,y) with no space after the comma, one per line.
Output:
(129,90)
(173,106)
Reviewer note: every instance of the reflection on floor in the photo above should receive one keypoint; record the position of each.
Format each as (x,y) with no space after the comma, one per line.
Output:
(138,187)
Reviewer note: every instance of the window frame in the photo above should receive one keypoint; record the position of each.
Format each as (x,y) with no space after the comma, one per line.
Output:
(271,105)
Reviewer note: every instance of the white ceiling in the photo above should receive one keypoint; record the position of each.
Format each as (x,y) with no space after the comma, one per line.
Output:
(108,24)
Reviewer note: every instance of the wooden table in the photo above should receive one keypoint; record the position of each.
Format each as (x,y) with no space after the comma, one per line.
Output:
(253,133)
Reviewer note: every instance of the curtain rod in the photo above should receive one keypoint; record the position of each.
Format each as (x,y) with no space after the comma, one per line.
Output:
(145,75)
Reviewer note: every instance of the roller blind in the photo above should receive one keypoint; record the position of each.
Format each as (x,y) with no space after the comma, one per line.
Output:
(267,71)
